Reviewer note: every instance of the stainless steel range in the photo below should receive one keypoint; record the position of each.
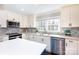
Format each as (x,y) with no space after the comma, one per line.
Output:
(14,35)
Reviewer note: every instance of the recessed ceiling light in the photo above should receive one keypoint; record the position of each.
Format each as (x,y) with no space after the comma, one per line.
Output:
(22,9)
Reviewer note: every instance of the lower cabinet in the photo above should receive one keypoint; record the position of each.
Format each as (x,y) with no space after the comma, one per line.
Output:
(24,36)
(45,40)
(41,39)
(4,38)
(78,48)
(56,45)
(71,47)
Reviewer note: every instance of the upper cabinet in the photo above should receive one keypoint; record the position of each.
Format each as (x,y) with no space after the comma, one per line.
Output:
(31,21)
(23,21)
(65,17)
(75,15)
(70,16)
(3,18)
(11,16)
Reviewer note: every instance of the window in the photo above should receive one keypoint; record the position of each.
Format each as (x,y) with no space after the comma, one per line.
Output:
(40,24)
(53,24)
(49,24)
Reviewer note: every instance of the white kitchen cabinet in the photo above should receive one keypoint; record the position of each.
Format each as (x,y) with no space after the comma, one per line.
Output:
(75,15)
(4,38)
(71,47)
(3,18)
(78,47)
(24,36)
(47,42)
(23,21)
(31,21)
(1,39)
(11,16)
(41,39)
(37,38)
(44,40)
(70,16)
(18,18)
(65,17)
(28,36)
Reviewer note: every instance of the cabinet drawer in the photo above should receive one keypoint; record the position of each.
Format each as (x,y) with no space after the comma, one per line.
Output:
(5,38)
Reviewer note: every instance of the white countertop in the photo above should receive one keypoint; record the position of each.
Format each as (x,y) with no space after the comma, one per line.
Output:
(53,35)
(21,47)
(62,36)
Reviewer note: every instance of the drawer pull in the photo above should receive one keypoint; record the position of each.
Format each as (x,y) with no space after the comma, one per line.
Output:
(70,41)
(66,44)
(42,39)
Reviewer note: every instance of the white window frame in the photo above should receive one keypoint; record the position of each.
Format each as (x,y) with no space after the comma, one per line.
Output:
(50,19)
(46,25)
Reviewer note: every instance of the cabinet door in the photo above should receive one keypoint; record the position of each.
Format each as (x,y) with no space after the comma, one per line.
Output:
(70,47)
(24,36)
(47,42)
(5,38)
(75,15)
(40,39)
(3,18)
(23,21)
(10,16)
(65,17)
(78,47)
(31,37)
(44,40)
(31,21)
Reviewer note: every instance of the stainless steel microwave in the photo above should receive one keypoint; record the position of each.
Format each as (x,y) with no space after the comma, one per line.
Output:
(12,24)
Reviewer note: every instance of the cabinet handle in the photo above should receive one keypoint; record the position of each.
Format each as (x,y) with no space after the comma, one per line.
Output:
(42,39)
(66,44)
(70,41)
(70,24)
(0,25)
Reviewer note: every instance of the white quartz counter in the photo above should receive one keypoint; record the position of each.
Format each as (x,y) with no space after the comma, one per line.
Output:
(52,35)
(21,47)
(63,36)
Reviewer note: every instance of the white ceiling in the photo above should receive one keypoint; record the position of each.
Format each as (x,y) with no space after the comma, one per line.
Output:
(32,8)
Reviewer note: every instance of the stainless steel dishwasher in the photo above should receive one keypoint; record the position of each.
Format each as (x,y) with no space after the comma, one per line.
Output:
(58,45)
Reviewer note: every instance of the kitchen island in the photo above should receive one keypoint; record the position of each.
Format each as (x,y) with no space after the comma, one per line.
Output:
(21,47)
